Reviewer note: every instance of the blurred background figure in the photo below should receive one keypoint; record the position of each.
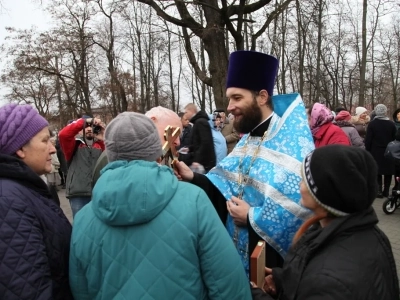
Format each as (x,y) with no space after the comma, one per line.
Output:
(220,146)
(53,178)
(381,131)
(323,130)
(343,121)
(185,139)
(360,120)
(393,153)
(227,130)
(63,170)
(396,118)
(202,145)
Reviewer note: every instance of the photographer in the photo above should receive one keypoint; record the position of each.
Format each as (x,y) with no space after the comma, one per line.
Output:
(82,144)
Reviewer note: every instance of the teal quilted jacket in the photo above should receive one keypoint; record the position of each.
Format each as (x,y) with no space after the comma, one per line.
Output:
(146,235)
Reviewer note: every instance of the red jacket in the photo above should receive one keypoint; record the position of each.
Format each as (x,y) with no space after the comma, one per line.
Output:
(330,134)
(67,139)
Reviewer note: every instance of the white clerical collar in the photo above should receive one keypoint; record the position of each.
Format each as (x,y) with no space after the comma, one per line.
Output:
(270,116)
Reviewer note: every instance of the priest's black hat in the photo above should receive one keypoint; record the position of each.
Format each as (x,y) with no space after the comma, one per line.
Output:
(252,70)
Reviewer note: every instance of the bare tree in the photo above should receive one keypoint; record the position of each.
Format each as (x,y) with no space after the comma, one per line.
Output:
(229,16)
(28,86)
(107,44)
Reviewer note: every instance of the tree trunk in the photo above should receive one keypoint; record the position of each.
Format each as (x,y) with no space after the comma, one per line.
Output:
(361,95)
(319,50)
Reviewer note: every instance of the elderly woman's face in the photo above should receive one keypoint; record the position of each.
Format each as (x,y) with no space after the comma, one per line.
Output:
(306,199)
(37,152)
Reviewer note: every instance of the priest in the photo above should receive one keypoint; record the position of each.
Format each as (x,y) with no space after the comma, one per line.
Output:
(255,189)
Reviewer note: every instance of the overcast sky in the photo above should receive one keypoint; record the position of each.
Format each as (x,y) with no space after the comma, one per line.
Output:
(21,14)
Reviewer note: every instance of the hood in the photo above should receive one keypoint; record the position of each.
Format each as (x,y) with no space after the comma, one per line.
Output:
(395,115)
(200,115)
(211,122)
(15,169)
(344,124)
(131,193)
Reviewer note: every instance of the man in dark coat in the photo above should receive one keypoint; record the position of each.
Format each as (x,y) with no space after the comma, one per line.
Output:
(185,139)
(63,170)
(202,144)
(381,131)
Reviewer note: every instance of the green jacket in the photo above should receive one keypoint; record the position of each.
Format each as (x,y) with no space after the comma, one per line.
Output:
(146,235)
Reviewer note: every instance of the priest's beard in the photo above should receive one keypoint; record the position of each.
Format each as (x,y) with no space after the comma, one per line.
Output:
(251,117)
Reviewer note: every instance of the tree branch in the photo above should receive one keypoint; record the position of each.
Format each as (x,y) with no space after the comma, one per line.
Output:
(161,13)
(228,22)
(188,19)
(203,4)
(247,9)
(192,59)
(269,20)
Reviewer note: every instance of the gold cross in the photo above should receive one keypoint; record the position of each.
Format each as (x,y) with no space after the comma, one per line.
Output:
(169,150)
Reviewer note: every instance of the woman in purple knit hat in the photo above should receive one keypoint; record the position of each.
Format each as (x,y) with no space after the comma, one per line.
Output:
(35,234)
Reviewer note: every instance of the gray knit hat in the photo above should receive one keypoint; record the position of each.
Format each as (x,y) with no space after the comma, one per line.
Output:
(380,110)
(132,136)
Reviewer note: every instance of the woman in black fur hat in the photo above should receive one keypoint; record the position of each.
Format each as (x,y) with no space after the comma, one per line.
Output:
(339,253)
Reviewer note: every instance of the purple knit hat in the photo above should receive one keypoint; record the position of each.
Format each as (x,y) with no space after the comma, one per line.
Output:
(18,124)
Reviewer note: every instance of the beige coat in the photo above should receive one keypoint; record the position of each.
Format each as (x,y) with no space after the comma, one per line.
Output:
(53,177)
(230,134)
(361,125)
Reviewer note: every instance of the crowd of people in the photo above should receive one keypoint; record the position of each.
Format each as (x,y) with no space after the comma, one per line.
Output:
(146,226)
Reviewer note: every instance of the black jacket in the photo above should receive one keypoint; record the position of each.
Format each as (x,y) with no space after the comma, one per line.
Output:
(34,236)
(186,139)
(351,258)
(379,134)
(396,122)
(202,143)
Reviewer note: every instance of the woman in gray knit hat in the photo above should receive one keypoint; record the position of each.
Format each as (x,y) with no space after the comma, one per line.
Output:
(381,131)
(146,235)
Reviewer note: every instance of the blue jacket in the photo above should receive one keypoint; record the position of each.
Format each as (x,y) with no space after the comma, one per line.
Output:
(146,235)
(220,146)
(34,236)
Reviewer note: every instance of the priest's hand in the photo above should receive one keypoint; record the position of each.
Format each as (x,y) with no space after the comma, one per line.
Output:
(238,209)
(182,171)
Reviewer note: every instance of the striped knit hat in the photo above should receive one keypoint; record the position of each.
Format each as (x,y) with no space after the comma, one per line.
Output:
(341,179)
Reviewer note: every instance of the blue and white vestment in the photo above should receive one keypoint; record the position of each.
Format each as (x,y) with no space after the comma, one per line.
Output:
(272,188)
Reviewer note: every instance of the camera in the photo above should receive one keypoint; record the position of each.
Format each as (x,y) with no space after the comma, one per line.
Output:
(95,128)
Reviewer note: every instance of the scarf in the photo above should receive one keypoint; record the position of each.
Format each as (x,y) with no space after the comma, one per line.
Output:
(320,115)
